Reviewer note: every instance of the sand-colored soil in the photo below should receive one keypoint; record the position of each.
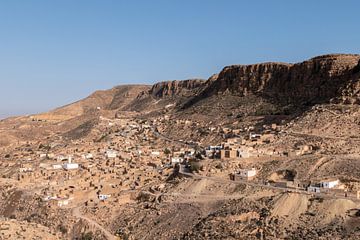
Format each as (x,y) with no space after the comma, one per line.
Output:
(12,230)
(290,205)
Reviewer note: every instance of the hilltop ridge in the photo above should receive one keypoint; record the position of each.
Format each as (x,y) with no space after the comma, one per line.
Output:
(316,80)
(331,77)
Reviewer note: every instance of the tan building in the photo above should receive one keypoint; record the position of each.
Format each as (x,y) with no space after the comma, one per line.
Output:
(244,174)
(228,154)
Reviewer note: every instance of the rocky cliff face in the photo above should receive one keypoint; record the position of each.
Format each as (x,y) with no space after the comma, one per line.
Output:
(350,92)
(172,88)
(316,80)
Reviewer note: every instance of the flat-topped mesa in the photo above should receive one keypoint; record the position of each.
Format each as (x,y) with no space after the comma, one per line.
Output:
(171,88)
(321,78)
(334,64)
(314,80)
(243,79)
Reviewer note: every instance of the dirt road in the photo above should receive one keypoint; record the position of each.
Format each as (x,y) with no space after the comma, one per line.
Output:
(76,212)
(257,184)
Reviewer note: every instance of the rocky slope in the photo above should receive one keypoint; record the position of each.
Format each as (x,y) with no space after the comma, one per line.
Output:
(126,94)
(334,77)
(115,98)
(316,80)
(175,88)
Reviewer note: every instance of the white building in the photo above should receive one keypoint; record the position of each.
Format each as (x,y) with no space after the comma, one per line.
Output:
(313,189)
(248,173)
(111,154)
(329,184)
(87,156)
(25,169)
(175,160)
(155,153)
(103,197)
(62,202)
(244,153)
(215,148)
(57,166)
(69,165)
(48,198)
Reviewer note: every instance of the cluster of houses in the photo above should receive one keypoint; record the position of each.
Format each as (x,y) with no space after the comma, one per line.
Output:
(231,149)
(127,156)
(254,145)
(182,155)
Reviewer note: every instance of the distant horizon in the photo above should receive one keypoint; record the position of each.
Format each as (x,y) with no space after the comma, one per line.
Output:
(58,52)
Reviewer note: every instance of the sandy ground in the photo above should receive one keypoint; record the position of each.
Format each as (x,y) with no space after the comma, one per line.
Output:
(290,205)
(13,230)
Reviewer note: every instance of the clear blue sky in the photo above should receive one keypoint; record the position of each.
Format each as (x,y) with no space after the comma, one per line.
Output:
(55,52)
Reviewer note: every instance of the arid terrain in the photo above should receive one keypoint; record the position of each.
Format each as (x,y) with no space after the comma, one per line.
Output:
(262,151)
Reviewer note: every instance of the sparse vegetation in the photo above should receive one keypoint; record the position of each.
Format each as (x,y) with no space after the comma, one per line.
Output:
(87,236)
(62,229)
(195,166)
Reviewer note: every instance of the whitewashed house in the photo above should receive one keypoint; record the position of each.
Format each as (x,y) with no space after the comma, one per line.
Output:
(87,156)
(25,169)
(314,189)
(103,197)
(62,202)
(111,154)
(175,160)
(329,183)
(155,153)
(248,173)
(57,166)
(70,166)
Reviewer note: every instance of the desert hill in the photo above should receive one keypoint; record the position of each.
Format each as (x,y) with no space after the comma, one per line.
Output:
(333,77)
(238,92)
(307,115)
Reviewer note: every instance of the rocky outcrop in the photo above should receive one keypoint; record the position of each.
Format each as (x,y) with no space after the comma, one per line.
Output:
(350,93)
(172,88)
(316,80)
(125,94)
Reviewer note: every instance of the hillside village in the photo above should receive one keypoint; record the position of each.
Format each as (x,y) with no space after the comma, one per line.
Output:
(129,156)
(132,172)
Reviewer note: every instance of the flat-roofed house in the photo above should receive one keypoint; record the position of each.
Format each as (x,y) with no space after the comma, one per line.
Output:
(111,154)
(244,174)
(330,183)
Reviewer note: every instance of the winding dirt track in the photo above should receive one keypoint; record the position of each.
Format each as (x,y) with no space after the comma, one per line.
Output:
(76,212)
